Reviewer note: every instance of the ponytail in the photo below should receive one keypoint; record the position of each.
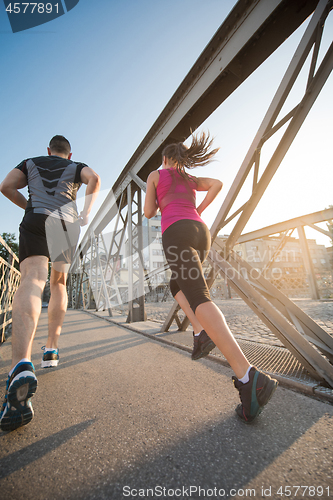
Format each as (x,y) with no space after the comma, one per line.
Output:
(198,154)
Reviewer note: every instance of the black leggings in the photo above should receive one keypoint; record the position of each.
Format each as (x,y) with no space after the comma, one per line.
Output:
(186,244)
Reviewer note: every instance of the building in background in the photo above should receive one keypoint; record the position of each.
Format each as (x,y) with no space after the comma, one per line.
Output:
(284,266)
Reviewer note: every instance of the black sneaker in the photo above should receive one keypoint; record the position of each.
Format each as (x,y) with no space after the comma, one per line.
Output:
(21,386)
(50,358)
(202,345)
(254,395)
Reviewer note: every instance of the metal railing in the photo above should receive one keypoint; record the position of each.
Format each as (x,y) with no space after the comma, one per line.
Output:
(9,282)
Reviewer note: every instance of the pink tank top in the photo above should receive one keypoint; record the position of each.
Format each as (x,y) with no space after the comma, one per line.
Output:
(176,198)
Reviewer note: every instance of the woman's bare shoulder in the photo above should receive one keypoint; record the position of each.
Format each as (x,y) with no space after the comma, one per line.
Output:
(155,174)
(153,177)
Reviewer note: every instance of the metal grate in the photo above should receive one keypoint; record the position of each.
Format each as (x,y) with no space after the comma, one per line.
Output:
(275,360)
(280,363)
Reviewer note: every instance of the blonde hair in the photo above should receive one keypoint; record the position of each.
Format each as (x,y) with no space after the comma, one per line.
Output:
(198,154)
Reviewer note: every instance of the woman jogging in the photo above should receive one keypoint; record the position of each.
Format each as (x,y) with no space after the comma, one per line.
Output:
(186,242)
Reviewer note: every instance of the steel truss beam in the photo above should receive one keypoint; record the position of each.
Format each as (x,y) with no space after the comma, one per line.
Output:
(311,37)
(306,340)
(285,237)
(269,126)
(110,292)
(305,220)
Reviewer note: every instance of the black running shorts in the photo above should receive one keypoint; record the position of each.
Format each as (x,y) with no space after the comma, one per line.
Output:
(44,235)
(186,244)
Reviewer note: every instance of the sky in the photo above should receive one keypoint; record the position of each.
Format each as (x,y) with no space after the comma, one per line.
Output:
(102,73)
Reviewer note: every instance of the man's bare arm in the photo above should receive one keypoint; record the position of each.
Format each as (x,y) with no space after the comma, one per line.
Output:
(10,186)
(93,182)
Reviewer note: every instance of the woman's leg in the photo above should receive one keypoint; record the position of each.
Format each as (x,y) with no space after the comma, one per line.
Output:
(213,321)
(208,317)
(202,343)
(187,244)
(185,306)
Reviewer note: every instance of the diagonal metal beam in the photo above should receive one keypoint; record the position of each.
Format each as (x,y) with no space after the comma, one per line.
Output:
(304,220)
(308,355)
(291,132)
(281,302)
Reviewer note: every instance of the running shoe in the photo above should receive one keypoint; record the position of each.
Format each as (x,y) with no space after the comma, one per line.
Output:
(202,345)
(50,358)
(254,395)
(21,386)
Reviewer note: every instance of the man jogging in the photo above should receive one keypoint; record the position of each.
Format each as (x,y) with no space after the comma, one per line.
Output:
(49,231)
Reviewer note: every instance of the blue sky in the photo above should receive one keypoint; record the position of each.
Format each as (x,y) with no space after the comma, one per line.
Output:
(102,73)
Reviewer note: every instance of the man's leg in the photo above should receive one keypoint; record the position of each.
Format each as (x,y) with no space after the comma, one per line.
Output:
(27,306)
(22,382)
(58,303)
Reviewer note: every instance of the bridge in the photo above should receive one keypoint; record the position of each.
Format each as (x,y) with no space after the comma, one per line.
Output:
(249,35)
(115,418)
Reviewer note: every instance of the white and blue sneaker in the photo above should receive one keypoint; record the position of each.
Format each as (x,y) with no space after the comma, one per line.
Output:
(21,386)
(50,357)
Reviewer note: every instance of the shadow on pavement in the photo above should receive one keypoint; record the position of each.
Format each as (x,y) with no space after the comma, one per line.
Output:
(15,461)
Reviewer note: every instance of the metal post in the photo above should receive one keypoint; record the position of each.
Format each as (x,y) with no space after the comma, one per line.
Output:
(308,264)
(141,297)
(130,252)
(103,287)
(91,270)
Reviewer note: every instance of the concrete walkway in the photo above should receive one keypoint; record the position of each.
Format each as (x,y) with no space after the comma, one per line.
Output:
(124,416)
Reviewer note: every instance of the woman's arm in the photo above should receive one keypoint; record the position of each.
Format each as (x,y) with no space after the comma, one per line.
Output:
(9,187)
(212,186)
(151,205)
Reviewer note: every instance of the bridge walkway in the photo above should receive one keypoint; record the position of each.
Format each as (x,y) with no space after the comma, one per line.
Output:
(125,412)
